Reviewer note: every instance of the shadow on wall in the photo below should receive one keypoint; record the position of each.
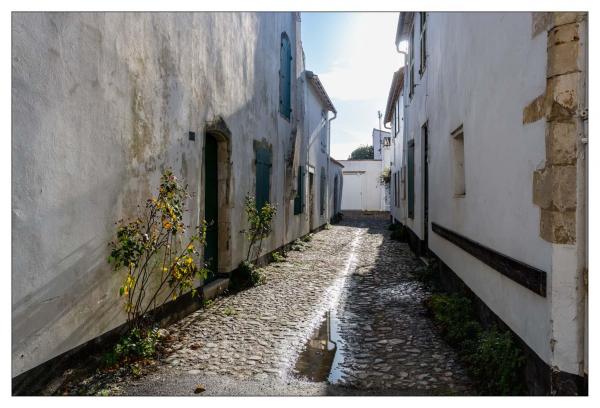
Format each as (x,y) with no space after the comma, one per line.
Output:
(81,301)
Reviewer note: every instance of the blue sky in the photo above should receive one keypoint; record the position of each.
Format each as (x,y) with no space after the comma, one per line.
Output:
(354,56)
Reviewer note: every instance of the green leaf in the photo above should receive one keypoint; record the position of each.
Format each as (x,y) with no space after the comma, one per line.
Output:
(121,291)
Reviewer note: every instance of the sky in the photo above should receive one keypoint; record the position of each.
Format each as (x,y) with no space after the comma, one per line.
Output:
(355,56)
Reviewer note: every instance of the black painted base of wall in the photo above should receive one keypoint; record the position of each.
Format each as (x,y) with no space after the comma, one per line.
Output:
(416,245)
(35,380)
(539,377)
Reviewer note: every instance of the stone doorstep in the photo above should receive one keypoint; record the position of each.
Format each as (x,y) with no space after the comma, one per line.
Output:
(213,289)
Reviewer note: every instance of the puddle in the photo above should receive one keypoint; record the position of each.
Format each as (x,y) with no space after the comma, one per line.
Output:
(321,352)
(322,355)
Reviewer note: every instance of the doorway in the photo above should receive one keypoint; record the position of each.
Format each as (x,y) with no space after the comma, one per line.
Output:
(211,204)
(425,161)
(311,197)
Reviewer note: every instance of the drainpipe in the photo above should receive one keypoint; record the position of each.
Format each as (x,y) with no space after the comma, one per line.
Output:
(329,158)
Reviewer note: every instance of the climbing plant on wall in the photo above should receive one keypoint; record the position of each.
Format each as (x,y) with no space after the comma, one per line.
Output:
(158,261)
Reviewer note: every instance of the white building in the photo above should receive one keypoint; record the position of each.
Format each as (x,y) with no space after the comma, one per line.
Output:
(102,103)
(363,190)
(489,117)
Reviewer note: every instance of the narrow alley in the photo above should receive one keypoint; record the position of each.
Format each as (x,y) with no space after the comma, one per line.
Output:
(255,342)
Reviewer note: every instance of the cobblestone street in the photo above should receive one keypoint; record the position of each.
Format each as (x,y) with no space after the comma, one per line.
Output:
(249,343)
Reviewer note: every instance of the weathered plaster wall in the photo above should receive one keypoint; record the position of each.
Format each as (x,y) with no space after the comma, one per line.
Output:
(102,103)
(317,130)
(397,158)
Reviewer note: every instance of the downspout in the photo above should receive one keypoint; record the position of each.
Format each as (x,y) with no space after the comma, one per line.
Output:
(329,157)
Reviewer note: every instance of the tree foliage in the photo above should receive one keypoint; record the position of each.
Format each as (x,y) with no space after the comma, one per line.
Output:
(363,152)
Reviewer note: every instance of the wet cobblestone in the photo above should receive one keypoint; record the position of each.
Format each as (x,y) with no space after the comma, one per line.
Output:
(387,340)
(255,336)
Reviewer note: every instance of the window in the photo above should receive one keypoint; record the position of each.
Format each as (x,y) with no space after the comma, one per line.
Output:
(423,43)
(299,199)
(403,182)
(322,191)
(411,62)
(324,132)
(395,189)
(411,178)
(397,116)
(458,169)
(263,175)
(285,77)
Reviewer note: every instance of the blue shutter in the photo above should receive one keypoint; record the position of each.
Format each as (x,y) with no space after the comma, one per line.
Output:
(411,178)
(299,199)
(322,192)
(263,175)
(285,77)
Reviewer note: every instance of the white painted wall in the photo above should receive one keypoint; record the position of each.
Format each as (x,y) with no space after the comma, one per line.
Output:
(101,103)
(362,192)
(482,70)
(318,158)
(335,170)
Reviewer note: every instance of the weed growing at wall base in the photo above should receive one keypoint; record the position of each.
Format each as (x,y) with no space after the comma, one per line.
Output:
(493,358)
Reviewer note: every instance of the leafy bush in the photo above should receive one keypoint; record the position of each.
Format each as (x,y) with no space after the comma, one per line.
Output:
(494,360)
(455,317)
(385,177)
(136,344)
(399,232)
(259,225)
(245,276)
(499,361)
(308,237)
(277,257)
(159,264)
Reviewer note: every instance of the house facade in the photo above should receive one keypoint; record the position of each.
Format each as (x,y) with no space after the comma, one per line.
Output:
(363,190)
(102,104)
(490,118)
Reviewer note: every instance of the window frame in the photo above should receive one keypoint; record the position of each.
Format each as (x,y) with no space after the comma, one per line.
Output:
(459,181)
(422,43)
(285,84)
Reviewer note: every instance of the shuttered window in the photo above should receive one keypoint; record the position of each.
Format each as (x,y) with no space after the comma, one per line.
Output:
(411,178)
(263,175)
(299,199)
(423,43)
(285,77)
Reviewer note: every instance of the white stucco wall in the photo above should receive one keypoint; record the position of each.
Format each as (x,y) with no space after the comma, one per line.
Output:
(368,184)
(482,70)
(335,173)
(102,103)
(318,135)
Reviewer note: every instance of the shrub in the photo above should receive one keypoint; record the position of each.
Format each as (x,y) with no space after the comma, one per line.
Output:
(245,276)
(494,359)
(499,361)
(136,344)
(399,232)
(277,257)
(454,316)
(259,225)
(159,265)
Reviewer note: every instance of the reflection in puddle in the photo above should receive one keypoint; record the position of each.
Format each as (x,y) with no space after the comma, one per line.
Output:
(320,352)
